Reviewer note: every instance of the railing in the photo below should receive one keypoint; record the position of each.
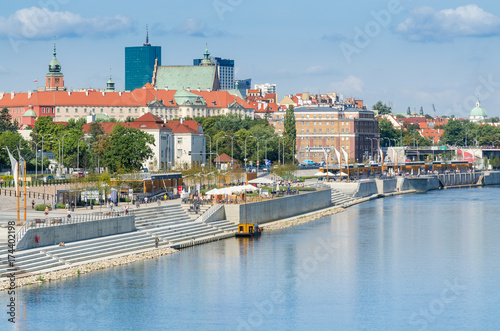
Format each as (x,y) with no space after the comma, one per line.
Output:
(209,212)
(64,220)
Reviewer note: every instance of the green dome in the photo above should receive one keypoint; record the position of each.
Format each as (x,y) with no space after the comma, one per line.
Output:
(29,113)
(478,111)
(101,117)
(54,65)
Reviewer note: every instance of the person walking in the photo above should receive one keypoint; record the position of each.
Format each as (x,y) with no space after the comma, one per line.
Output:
(33,204)
(69,215)
(157,240)
(146,200)
(46,212)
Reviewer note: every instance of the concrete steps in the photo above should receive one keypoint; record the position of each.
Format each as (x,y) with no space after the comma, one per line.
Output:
(339,199)
(170,223)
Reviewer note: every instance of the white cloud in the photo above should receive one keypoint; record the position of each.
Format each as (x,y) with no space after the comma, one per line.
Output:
(318,70)
(427,24)
(40,23)
(350,86)
(191,27)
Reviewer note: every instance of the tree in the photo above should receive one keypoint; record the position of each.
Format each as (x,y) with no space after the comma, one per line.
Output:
(495,162)
(387,132)
(290,133)
(383,109)
(6,123)
(127,149)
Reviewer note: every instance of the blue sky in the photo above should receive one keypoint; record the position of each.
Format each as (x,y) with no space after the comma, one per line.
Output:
(407,53)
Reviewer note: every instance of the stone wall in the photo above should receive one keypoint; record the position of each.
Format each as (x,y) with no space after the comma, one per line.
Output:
(276,209)
(386,185)
(491,178)
(51,235)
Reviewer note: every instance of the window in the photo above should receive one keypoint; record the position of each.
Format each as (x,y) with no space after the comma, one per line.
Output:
(327,130)
(307,130)
(314,130)
(319,131)
(314,123)
(302,130)
(347,130)
(302,122)
(84,110)
(342,130)
(67,110)
(76,110)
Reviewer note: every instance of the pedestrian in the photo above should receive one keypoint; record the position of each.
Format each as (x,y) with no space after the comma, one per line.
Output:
(69,215)
(33,204)
(157,240)
(111,205)
(165,197)
(126,210)
(146,200)
(159,202)
(46,212)
(67,205)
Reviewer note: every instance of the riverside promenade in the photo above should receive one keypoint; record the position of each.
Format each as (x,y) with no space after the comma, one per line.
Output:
(62,262)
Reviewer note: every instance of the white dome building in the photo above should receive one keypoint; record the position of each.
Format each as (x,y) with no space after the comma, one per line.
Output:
(478,114)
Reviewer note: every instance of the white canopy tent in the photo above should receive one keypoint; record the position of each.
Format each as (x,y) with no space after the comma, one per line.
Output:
(261,180)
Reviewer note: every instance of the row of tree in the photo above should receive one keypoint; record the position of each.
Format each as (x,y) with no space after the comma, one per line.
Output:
(122,150)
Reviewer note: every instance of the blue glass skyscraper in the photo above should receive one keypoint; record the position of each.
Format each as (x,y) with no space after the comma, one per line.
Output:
(139,64)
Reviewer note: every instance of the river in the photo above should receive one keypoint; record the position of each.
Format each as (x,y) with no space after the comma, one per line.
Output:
(412,262)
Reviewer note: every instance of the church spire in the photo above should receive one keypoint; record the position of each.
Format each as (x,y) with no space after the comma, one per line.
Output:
(147,37)
(54,46)
(206,58)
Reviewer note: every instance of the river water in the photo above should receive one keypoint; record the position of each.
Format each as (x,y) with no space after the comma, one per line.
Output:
(413,262)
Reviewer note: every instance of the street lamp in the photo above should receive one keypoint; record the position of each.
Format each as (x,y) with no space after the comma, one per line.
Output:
(232,141)
(258,151)
(210,155)
(78,153)
(62,153)
(217,148)
(246,149)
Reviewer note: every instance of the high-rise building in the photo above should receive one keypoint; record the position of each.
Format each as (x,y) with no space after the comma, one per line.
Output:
(140,63)
(265,88)
(225,69)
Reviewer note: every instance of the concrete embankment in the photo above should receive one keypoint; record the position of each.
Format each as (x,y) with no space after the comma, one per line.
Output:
(51,235)
(85,268)
(276,209)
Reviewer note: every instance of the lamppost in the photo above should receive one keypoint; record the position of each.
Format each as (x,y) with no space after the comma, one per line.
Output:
(232,141)
(58,154)
(371,147)
(36,158)
(62,153)
(217,148)
(210,155)
(281,137)
(258,151)
(246,149)
(78,153)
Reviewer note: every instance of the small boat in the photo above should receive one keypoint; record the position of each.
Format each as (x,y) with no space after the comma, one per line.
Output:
(248,230)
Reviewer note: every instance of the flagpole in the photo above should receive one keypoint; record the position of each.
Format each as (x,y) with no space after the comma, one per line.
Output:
(17,192)
(24,184)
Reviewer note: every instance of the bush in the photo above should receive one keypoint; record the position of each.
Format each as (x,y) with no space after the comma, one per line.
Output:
(125,199)
(80,203)
(42,207)
(61,206)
